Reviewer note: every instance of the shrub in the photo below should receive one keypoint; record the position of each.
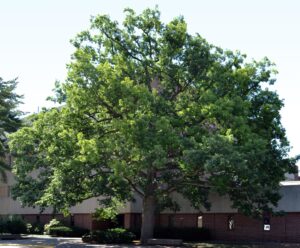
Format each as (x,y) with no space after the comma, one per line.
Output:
(119,235)
(136,232)
(13,224)
(28,227)
(62,231)
(65,231)
(78,231)
(35,228)
(56,228)
(187,234)
(51,224)
(3,227)
(110,236)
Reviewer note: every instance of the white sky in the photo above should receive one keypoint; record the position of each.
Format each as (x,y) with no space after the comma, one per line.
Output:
(35,34)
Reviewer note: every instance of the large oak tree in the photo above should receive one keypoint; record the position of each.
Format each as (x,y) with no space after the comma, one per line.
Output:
(149,109)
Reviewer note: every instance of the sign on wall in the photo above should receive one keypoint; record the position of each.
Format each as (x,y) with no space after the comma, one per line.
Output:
(267,227)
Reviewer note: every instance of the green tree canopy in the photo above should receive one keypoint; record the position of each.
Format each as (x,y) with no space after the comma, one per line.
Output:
(9,119)
(151,109)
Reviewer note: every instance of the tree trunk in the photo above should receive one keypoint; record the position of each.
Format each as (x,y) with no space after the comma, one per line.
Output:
(148,218)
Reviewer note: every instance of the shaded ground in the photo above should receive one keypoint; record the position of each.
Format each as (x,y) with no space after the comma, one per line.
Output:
(39,241)
(242,245)
(43,241)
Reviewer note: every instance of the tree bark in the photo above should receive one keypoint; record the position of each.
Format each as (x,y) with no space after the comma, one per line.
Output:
(148,218)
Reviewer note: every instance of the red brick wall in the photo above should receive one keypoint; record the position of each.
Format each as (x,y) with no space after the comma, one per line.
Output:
(283,229)
(177,220)
(31,218)
(44,218)
(80,220)
(292,227)
(83,221)
(134,220)
(100,225)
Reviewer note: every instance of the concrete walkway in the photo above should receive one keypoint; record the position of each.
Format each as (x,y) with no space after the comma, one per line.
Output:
(44,241)
(41,241)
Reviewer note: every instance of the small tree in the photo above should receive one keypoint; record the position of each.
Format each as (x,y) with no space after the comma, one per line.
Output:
(9,119)
(151,110)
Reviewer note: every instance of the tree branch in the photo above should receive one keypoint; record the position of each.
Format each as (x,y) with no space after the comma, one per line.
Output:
(135,187)
(110,109)
(97,120)
(125,49)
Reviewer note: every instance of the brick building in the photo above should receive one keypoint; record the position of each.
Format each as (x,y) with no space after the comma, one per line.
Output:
(223,222)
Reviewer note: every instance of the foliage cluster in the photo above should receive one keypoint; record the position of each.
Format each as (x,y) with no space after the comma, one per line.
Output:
(35,228)
(12,224)
(186,234)
(110,236)
(51,224)
(61,231)
(56,228)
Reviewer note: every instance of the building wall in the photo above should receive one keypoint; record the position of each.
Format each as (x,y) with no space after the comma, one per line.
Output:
(79,220)
(81,214)
(220,204)
(290,201)
(10,206)
(286,228)
(283,229)
(176,220)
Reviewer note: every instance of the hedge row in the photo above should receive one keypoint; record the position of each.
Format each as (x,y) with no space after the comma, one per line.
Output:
(12,224)
(56,228)
(109,236)
(186,234)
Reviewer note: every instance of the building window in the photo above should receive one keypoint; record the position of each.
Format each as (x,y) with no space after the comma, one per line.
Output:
(200,221)
(230,223)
